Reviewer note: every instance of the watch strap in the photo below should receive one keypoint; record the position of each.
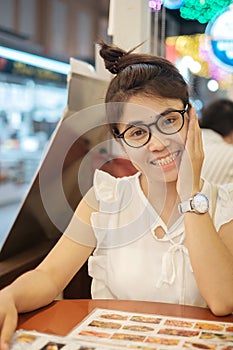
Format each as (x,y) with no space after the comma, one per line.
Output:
(185,206)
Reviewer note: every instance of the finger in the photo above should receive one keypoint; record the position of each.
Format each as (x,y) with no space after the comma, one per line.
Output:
(192,113)
(8,329)
(197,134)
(198,138)
(190,142)
(200,132)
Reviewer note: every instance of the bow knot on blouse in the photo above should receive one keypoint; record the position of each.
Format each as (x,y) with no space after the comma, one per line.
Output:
(168,273)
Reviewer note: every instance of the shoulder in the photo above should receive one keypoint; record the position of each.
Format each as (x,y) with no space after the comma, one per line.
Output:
(79,229)
(108,187)
(221,201)
(224,205)
(225,194)
(87,206)
(221,193)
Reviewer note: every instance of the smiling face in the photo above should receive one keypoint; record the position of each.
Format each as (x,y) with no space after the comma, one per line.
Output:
(160,158)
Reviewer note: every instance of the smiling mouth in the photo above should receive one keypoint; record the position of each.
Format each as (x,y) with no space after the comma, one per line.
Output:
(166,160)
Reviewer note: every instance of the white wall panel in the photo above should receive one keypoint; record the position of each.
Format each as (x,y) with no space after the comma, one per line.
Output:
(7,14)
(58,27)
(27,17)
(84,34)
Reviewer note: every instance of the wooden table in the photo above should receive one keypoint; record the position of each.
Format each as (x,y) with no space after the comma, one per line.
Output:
(61,316)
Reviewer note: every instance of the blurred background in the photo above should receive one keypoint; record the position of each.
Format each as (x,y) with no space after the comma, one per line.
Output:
(196,35)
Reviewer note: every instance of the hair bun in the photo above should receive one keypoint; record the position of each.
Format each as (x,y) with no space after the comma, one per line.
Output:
(111,55)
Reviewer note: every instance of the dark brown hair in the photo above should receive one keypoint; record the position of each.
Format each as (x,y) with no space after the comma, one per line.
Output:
(218,116)
(139,73)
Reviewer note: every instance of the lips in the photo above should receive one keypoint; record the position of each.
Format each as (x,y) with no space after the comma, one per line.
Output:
(166,160)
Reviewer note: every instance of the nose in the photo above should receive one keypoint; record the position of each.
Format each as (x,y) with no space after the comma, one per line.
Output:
(158,143)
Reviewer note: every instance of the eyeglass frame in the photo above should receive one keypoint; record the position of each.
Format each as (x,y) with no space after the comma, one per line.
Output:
(182,112)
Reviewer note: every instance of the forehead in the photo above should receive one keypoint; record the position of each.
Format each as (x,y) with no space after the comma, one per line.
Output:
(145,108)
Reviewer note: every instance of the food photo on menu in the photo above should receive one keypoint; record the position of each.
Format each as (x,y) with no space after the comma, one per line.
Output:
(144,331)
(106,329)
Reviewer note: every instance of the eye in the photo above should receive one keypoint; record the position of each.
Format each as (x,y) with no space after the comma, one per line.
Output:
(170,120)
(167,121)
(136,131)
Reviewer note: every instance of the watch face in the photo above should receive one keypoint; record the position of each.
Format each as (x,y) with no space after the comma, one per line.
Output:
(200,203)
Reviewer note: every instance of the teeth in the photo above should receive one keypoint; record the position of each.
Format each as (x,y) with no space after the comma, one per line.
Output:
(166,160)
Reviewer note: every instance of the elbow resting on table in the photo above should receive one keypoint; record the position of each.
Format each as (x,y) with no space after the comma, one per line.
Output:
(223,308)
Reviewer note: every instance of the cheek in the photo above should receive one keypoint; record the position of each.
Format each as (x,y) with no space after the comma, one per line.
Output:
(182,135)
(136,156)
(184,130)
(129,153)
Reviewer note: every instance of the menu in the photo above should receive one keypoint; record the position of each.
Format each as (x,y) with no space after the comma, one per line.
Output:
(108,329)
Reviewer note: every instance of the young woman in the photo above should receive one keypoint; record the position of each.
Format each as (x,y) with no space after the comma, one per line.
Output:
(151,235)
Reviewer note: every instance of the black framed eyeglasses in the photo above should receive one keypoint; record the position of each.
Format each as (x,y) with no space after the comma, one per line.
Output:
(167,123)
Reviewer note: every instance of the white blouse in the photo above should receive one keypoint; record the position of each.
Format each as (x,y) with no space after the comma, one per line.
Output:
(129,261)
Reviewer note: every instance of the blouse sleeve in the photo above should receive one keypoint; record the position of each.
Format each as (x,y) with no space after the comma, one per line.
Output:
(105,186)
(224,205)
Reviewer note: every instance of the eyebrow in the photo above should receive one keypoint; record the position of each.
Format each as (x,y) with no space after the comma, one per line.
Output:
(134,122)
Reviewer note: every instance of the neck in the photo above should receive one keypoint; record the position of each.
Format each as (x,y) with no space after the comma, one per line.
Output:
(163,197)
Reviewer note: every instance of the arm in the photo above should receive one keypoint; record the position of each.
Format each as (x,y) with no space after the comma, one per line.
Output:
(40,286)
(211,253)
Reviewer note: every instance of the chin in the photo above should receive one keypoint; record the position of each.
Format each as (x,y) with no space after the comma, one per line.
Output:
(171,177)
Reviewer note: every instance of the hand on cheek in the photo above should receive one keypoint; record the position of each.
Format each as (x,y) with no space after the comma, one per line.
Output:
(189,174)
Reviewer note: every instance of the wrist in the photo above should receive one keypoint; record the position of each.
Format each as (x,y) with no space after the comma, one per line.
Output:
(198,204)
(191,193)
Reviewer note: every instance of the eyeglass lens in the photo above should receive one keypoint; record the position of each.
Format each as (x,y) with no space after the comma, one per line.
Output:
(139,134)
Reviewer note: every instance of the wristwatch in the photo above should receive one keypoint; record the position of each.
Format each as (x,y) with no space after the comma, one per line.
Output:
(198,204)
